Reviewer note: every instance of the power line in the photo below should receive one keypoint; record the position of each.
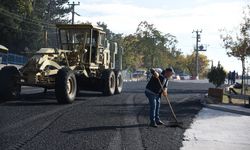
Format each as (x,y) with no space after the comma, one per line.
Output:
(22,30)
(27,31)
(27,20)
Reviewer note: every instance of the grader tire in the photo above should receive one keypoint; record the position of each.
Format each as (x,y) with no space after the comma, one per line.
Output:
(109,82)
(65,86)
(119,82)
(9,83)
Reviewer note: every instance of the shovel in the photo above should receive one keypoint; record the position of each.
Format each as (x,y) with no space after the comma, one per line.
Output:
(176,123)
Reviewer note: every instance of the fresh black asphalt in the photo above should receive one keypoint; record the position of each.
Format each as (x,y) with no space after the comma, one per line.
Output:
(97,122)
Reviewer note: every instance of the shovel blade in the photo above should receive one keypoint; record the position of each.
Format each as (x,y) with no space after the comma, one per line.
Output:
(174,124)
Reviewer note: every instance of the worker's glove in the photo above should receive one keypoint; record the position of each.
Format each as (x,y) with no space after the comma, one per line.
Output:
(156,74)
(165,93)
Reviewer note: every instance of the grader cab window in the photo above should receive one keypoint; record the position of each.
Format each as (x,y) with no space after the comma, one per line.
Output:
(79,39)
(71,39)
(102,40)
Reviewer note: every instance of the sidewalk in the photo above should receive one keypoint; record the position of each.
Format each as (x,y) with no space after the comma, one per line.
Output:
(220,127)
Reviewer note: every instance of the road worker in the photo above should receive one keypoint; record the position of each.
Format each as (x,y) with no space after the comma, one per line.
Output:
(154,91)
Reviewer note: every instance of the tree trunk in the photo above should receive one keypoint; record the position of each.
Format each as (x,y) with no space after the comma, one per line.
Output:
(243,74)
(152,56)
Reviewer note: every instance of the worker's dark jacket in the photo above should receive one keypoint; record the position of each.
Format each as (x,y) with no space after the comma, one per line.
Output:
(154,86)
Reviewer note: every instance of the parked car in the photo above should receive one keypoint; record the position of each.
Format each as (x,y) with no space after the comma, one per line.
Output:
(176,77)
(184,76)
(139,74)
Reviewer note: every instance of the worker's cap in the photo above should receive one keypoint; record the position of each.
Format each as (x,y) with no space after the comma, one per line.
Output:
(159,70)
(170,69)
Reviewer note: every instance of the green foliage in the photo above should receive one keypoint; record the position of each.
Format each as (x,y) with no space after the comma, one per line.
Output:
(109,33)
(155,46)
(148,47)
(217,75)
(23,22)
(131,57)
(190,63)
(239,45)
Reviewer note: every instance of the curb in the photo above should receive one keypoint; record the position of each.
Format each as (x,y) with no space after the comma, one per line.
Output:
(223,108)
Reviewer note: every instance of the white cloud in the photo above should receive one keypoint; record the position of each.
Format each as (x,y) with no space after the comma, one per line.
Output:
(210,16)
(201,1)
(124,18)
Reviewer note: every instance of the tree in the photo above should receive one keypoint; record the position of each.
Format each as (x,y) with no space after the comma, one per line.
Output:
(49,13)
(147,47)
(130,57)
(190,64)
(178,60)
(155,46)
(13,15)
(217,75)
(23,22)
(109,33)
(239,45)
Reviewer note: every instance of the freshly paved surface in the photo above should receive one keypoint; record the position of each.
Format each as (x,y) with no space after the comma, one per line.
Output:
(230,108)
(96,122)
(220,127)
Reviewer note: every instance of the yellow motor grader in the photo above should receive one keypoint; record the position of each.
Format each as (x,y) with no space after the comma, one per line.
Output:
(84,60)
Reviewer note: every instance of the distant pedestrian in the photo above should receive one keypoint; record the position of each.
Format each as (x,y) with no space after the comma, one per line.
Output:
(229,76)
(233,77)
(153,92)
(148,75)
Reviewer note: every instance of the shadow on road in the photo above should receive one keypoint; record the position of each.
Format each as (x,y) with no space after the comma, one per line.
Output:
(122,105)
(31,104)
(42,99)
(103,128)
(89,94)
(32,99)
(171,91)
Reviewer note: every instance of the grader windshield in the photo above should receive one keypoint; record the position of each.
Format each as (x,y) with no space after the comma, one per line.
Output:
(82,37)
(71,39)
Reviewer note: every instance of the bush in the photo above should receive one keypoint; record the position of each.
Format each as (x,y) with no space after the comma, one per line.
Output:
(217,75)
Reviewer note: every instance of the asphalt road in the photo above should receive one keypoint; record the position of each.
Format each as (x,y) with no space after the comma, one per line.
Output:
(95,122)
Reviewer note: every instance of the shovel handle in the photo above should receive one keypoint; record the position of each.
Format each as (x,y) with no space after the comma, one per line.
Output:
(175,118)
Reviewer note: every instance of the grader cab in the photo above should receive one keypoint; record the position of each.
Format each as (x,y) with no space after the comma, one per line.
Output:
(84,60)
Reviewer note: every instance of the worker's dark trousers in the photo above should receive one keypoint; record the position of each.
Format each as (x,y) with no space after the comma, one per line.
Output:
(155,103)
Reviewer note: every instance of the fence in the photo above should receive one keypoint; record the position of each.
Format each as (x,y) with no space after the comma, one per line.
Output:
(11,58)
(128,76)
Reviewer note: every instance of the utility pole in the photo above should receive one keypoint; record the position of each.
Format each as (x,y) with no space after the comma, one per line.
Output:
(45,30)
(45,37)
(198,39)
(73,10)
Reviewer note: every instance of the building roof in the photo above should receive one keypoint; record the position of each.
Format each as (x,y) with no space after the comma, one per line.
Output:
(78,26)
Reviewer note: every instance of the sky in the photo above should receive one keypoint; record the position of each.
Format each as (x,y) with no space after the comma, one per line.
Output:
(179,18)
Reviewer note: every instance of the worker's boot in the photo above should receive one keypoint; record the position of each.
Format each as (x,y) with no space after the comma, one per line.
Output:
(159,122)
(153,124)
